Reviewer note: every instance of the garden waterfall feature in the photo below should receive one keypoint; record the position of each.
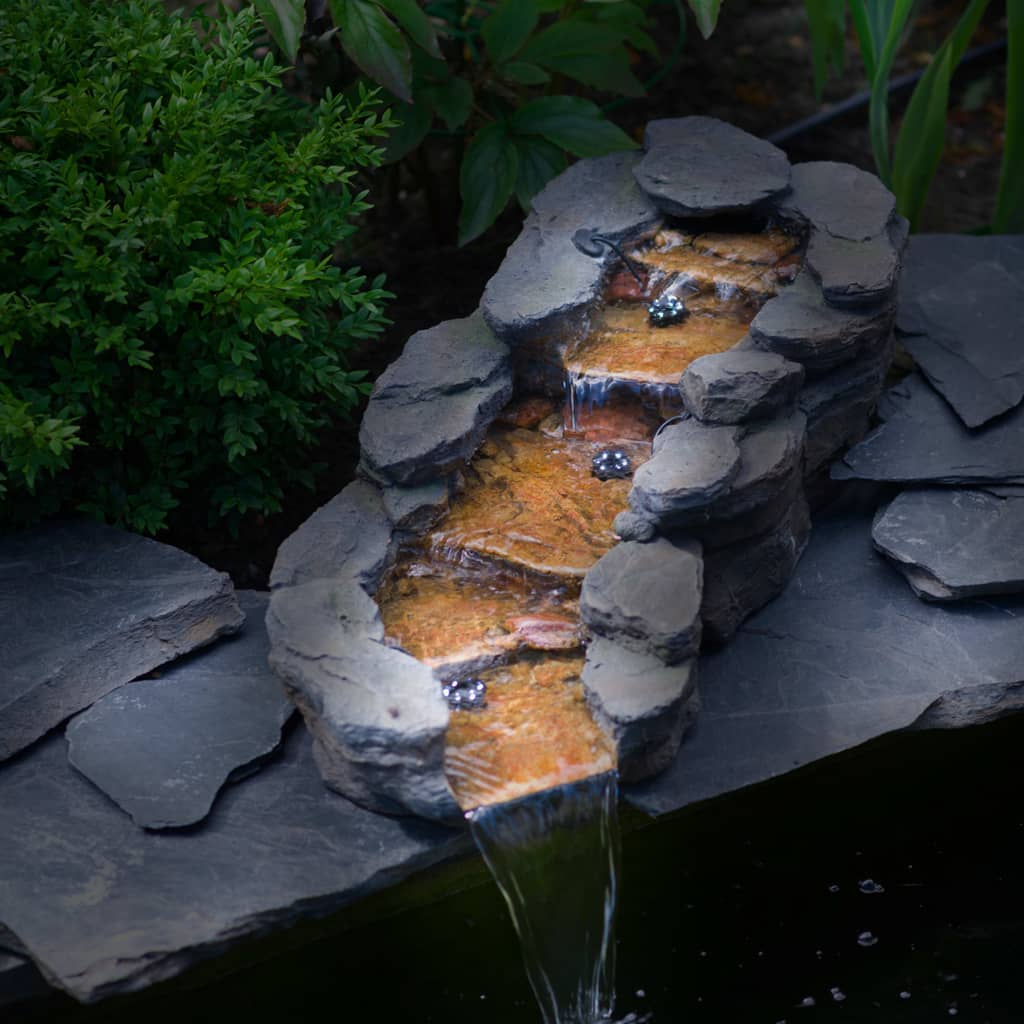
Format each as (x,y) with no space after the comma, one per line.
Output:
(564,495)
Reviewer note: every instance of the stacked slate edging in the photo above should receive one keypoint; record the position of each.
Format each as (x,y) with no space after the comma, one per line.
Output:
(724,498)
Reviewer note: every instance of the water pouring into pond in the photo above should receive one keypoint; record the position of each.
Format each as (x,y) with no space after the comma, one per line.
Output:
(555,857)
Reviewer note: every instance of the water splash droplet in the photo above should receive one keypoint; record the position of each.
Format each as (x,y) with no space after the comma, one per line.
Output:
(837,994)
(870,886)
(867,939)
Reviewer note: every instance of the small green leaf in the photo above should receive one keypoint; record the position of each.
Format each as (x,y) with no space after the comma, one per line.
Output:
(508,27)
(539,162)
(571,123)
(284,20)
(523,73)
(706,13)
(486,180)
(410,16)
(452,100)
(374,44)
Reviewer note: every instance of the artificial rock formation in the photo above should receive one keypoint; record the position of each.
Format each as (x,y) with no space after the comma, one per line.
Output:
(776,364)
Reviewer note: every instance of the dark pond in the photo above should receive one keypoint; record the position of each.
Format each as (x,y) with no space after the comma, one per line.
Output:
(887,885)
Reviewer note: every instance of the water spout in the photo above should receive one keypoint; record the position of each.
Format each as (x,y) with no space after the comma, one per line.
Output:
(555,857)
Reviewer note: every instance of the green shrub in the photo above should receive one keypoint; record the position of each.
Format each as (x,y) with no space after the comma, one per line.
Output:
(170,318)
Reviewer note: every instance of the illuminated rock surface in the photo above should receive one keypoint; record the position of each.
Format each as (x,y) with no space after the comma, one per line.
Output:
(535,732)
(531,501)
(740,385)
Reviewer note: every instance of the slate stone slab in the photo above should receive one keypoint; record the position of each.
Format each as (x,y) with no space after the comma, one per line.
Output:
(376,713)
(955,543)
(162,748)
(856,274)
(743,577)
(416,508)
(646,597)
(839,199)
(645,705)
(846,653)
(700,166)
(961,307)
(350,537)
(923,441)
(545,282)
(431,407)
(86,608)
(692,465)
(105,907)
(800,325)
(739,385)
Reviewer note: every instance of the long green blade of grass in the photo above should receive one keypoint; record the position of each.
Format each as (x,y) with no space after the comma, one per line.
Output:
(922,136)
(879,110)
(826,20)
(1010,203)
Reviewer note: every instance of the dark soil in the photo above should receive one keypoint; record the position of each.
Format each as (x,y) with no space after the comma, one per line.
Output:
(754,72)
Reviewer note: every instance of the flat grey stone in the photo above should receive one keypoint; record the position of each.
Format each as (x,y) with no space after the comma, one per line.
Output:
(161,749)
(104,907)
(923,441)
(743,577)
(961,307)
(700,166)
(416,508)
(430,408)
(646,597)
(645,705)
(771,464)
(800,325)
(739,385)
(376,714)
(838,405)
(692,465)
(953,544)
(631,526)
(853,274)
(845,654)
(350,537)
(839,199)
(87,608)
(545,282)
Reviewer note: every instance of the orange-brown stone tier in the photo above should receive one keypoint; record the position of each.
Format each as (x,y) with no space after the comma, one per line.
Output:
(446,615)
(531,502)
(723,280)
(534,733)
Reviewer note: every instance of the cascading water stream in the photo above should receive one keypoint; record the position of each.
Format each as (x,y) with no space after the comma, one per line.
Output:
(555,858)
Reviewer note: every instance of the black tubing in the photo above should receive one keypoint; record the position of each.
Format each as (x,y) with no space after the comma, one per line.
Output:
(862,99)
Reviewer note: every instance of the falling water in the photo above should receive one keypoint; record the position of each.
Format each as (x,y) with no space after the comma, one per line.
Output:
(555,857)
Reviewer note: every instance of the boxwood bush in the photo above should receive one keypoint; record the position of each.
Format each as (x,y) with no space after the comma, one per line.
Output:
(172,326)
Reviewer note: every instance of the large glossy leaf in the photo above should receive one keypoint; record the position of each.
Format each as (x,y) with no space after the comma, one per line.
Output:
(1009,215)
(415,121)
(922,136)
(706,13)
(375,45)
(284,20)
(410,16)
(539,162)
(486,180)
(629,20)
(523,73)
(606,71)
(826,20)
(571,123)
(572,37)
(508,28)
(452,99)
